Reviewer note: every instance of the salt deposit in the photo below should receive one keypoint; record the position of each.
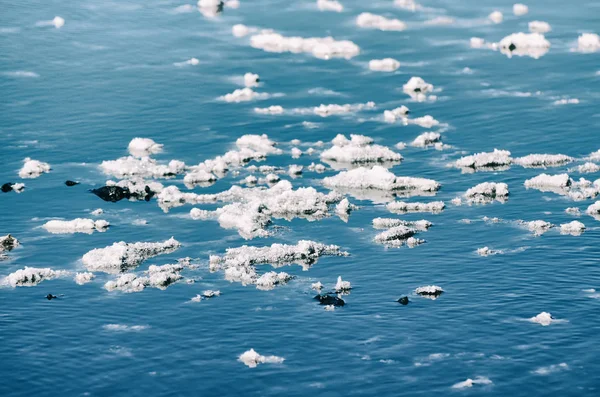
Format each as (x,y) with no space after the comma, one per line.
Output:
(394,235)
(144,147)
(330,5)
(79,225)
(426,139)
(83,278)
(543,160)
(240,30)
(33,168)
(486,251)
(425,121)
(417,89)
(489,160)
(544,319)
(372,21)
(520,9)
(588,168)
(384,65)
(251,359)
(588,43)
(574,228)
(387,223)
(334,109)
(245,94)
(322,48)
(275,109)
(381,179)
(409,5)
(30,276)
(156,277)
(390,116)
(342,286)
(480,380)
(270,280)
(496,17)
(593,209)
(400,207)
(487,192)
(429,291)
(123,256)
(533,45)
(538,227)
(251,80)
(549,181)
(318,286)
(539,27)
(8,243)
(358,149)
(97,212)
(551,369)
(145,167)
(343,209)
(566,101)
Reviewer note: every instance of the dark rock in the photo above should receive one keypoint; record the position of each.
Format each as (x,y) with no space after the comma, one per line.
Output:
(8,242)
(71,183)
(50,297)
(404,300)
(7,187)
(512,47)
(112,193)
(330,299)
(417,89)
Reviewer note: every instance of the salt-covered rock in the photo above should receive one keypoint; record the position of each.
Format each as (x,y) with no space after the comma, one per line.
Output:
(520,9)
(144,147)
(123,256)
(496,17)
(538,227)
(245,94)
(8,243)
(330,5)
(358,149)
(342,286)
(533,45)
(574,228)
(544,319)
(33,168)
(318,286)
(252,359)
(588,43)
(322,48)
(487,192)
(270,280)
(335,109)
(395,235)
(543,160)
(251,80)
(439,21)
(432,291)
(372,21)
(426,139)
(539,27)
(83,278)
(384,65)
(593,209)
(78,225)
(588,168)
(489,160)
(400,207)
(343,208)
(418,89)
(31,276)
(391,116)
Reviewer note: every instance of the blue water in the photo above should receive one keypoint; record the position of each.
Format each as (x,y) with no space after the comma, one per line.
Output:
(107,76)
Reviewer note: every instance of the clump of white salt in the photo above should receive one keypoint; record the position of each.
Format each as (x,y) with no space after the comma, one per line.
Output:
(33,168)
(418,89)
(384,65)
(373,21)
(143,147)
(252,359)
(79,225)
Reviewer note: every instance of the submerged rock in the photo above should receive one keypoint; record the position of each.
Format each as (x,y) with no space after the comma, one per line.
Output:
(50,297)
(9,187)
(71,183)
(330,299)
(404,300)
(112,193)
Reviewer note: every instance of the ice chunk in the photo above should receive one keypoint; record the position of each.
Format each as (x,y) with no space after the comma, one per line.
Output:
(496,17)
(426,139)
(381,179)
(487,192)
(144,147)
(574,228)
(400,207)
(123,256)
(368,20)
(251,80)
(588,42)
(520,9)
(330,5)
(480,380)
(489,160)
(543,160)
(390,116)
(276,109)
(251,359)
(384,65)
(145,167)
(539,27)
(30,276)
(417,89)
(533,45)
(244,95)
(83,278)
(544,319)
(342,286)
(358,149)
(78,225)
(322,48)
(33,168)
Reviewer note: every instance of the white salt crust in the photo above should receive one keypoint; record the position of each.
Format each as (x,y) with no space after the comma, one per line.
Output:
(330,5)
(373,21)
(379,178)
(33,168)
(31,276)
(418,89)
(78,225)
(143,147)
(401,207)
(358,149)
(487,192)
(252,359)
(384,65)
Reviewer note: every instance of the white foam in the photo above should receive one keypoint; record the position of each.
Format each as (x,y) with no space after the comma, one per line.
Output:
(330,5)
(372,21)
(144,147)
(252,359)
(322,48)
(191,61)
(124,327)
(358,149)
(33,168)
(83,278)
(384,65)
(574,228)
(275,109)
(520,9)
(439,21)
(496,17)
(543,160)
(78,225)
(539,27)
(588,43)
(487,192)
(401,207)
(418,89)
(480,380)
(486,251)
(31,276)
(551,369)
(57,22)
(123,256)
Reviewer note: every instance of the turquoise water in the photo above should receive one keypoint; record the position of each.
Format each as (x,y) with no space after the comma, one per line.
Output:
(108,76)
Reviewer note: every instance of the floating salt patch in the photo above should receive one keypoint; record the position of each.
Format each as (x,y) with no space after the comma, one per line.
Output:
(124,328)
(191,61)
(244,95)
(335,110)
(425,121)
(275,109)
(33,168)
(294,170)
(593,209)
(198,177)
(551,369)
(123,256)
(384,65)
(563,185)
(566,101)
(594,156)
(426,139)
(260,143)
(342,286)
(486,251)
(57,22)
(387,223)
(329,308)
(587,168)
(144,147)
(496,17)
(412,242)
(429,291)
(78,225)
(8,243)
(409,5)
(270,280)
(126,167)
(489,160)
(573,211)
(322,48)
(251,80)
(318,286)
(330,5)
(83,278)
(372,21)
(390,116)
(544,319)
(400,145)
(520,9)
(319,168)
(251,359)
(539,27)
(379,178)
(551,181)
(487,192)
(395,235)
(211,294)
(240,30)
(250,220)
(533,45)
(31,276)
(156,277)
(343,208)
(538,227)
(480,380)
(417,89)
(477,42)
(574,228)
(401,207)
(358,149)
(543,160)
(588,43)
(296,153)
(249,180)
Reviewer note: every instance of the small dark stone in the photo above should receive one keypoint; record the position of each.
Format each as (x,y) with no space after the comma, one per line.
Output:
(404,300)
(112,193)
(7,187)
(417,89)
(71,183)
(512,47)
(50,297)
(330,300)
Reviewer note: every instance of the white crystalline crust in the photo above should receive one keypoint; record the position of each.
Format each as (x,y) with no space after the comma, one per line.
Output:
(33,168)
(379,178)
(418,89)
(330,5)
(342,286)
(31,276)
(275,109)
(538,227)
(334,109)
(83,278)
(396,233)
(543,160)
(533,45)
(245,94)
(487,192)
(319,47)
(520,9)
(426,139)
(401,207)
(539,27)
(574,228)
(384,65)
(358,149)
(387,223)
(588,43)
(564,185)
(143,147)
(391,116)
(123,256)
(251,80)
(145,167)
(429,290)
(480,380)
(544,319)
(495,159)
(156,277)
(486,251)
(372,21)
(252,359)
(78,225)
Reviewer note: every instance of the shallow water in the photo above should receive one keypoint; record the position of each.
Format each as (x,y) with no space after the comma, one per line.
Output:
(108,76)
